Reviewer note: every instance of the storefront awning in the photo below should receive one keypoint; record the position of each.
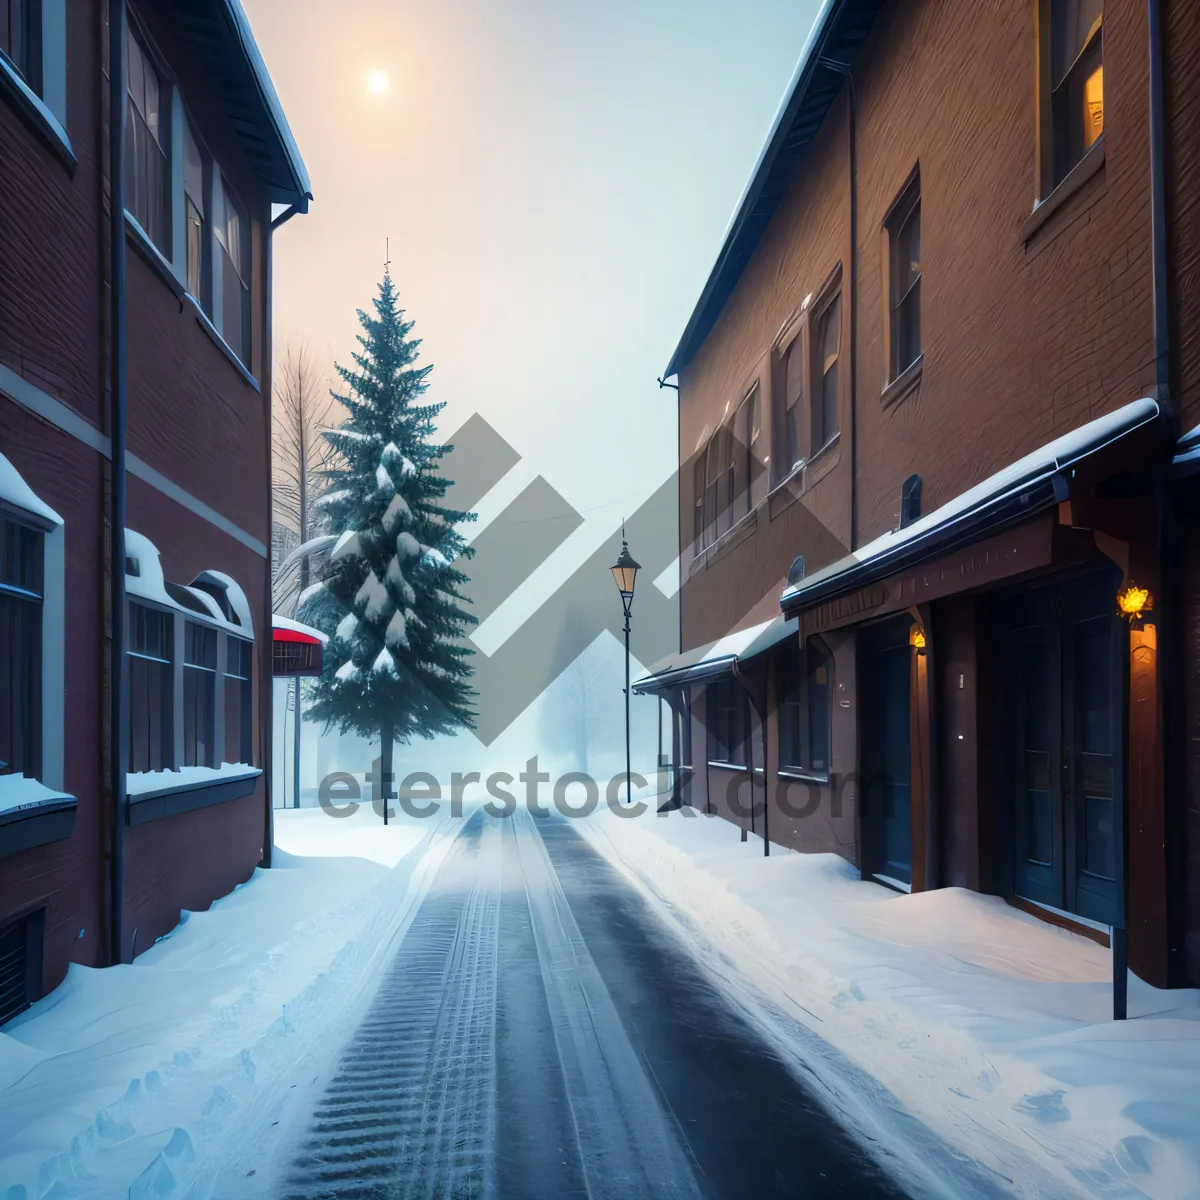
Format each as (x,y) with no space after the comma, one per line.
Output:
(702,662)
(1030,485)
(297,649)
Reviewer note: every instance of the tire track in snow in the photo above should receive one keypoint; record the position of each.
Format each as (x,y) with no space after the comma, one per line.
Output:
(410,1112)
(627,1145)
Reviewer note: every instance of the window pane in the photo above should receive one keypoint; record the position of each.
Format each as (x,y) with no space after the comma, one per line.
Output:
(829,403)
(1072,24)
(795,390)
(238,732)
(831,327)
(20,685)
(908,252)
(199,696)
(908,329)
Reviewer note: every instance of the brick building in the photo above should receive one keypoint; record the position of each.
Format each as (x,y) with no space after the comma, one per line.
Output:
(210,168)
(934,405)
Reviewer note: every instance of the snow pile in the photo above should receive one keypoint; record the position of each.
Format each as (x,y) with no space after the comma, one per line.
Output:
(148,1079)
(991,1027)
(19,792)
(140,783)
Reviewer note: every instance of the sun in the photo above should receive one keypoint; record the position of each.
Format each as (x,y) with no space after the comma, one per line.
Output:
(378,82)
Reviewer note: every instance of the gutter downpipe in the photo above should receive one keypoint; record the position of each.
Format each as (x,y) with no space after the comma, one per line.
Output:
(843,69)
(1170,565)
(118,670)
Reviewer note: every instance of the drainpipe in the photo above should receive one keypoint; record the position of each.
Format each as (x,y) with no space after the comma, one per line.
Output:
(843,69)
(1170,616)
(118,671)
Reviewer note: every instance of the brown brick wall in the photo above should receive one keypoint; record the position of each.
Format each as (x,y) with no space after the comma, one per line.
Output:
(1021,342)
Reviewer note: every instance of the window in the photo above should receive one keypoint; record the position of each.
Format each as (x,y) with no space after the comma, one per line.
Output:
(199,696)
(232,228)
(151,689)
(239,730)
(804,680)
(194,209)
(21,559)
(698,469)
(825,393)
(794,394)
(147,194)
(747,446)
(21,39)
(904,237)
(21,963)
(728,712)
(1076,81)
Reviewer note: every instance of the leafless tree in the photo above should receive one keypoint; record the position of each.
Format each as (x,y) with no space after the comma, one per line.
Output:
(303,406)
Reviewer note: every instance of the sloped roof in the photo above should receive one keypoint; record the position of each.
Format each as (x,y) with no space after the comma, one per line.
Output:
(840,29)
(219,35)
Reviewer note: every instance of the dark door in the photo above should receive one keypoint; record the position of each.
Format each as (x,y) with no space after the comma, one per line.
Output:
(1066,814)
(886,813)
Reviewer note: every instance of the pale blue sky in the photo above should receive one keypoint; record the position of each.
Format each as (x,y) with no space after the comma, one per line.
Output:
(555,177)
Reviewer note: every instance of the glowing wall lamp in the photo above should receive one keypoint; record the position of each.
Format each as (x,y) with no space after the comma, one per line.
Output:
(916,639)
(1134,602)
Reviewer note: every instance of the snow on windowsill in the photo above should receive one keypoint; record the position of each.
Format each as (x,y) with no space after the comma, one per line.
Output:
(19,793)
(140,784)
(15,491)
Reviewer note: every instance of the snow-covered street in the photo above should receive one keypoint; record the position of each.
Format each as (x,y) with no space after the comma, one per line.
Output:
(526,1007)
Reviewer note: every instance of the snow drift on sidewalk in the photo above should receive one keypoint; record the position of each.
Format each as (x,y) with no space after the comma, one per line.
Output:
(991,1027)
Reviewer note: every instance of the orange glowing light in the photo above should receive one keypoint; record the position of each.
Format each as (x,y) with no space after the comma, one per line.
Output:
(1133,601)
(916,639)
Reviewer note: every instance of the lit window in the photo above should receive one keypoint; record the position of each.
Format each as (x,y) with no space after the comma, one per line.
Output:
(21,39)
(147,195)
(1076,80)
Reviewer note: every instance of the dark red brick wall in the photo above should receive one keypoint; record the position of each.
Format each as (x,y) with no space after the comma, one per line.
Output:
(67,876)
(51,238)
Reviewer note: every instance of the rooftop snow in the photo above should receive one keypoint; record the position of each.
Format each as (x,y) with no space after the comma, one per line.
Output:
(702,660)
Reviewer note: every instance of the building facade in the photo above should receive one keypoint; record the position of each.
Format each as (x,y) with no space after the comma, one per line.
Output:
(939,611)
(209,168)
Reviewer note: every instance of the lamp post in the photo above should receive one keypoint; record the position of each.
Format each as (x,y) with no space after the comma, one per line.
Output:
(625,574)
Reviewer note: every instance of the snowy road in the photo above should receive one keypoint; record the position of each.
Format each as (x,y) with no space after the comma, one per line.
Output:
(541,1033)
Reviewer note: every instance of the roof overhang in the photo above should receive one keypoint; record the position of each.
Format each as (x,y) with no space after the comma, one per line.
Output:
(702,663)
(218,34)
(1012,495)
(837,34)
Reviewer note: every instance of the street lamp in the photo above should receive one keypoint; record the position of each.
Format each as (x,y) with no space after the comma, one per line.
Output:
(625,574)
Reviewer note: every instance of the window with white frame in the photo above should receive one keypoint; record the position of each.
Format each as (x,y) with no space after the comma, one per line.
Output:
(147,153)
(22,556)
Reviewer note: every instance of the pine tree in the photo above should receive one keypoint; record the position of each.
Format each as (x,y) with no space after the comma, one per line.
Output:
(390,597)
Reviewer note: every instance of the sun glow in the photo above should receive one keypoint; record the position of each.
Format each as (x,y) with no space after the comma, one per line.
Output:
(378,83)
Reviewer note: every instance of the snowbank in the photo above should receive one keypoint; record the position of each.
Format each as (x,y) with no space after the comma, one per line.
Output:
(141,1080)
(142,783)
(19,792)
(990,1026)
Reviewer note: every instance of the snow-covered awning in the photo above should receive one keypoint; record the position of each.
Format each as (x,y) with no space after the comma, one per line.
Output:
(297,650)
(1187,454)
(1028,486)
(702,662)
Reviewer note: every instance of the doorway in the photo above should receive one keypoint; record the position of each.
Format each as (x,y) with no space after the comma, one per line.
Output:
(885,683)
(1064,805)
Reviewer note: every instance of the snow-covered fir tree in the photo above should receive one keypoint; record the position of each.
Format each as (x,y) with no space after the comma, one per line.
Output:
(389,597)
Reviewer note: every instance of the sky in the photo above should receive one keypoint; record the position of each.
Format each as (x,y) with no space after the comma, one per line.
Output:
(552,179)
